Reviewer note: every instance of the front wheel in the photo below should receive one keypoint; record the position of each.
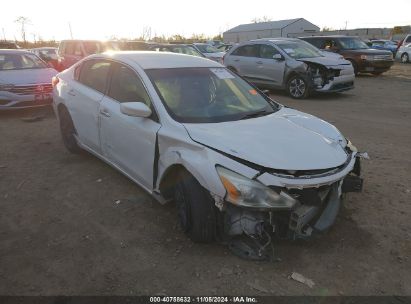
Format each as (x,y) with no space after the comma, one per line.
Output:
(196,210)
(405,58)
(297,87)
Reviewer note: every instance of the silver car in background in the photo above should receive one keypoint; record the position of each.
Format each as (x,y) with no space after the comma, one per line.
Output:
(210,51)
(291,64)
(25,80)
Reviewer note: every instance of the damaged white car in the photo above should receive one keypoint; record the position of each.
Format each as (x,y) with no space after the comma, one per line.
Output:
(291,64)
(240,167)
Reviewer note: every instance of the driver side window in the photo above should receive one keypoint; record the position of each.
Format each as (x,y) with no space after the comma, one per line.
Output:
(126,86)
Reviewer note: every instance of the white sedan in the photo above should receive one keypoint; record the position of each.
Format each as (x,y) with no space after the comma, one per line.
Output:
(238,165)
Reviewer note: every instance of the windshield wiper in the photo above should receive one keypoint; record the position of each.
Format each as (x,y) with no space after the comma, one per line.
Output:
(256,114)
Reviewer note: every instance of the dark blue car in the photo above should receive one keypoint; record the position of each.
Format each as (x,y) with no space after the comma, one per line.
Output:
(387,45)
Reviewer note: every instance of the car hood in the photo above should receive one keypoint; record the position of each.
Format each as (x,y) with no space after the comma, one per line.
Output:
(287,140)
(215,55)
(329,60)
(27,76)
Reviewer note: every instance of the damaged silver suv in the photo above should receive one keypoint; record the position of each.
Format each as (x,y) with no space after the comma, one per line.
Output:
(291,64)
(239,166)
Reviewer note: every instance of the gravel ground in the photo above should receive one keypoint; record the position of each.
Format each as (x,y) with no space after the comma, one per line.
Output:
(62,232)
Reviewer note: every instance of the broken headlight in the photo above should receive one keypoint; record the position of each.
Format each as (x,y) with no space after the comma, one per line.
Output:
(351,146)
(245,192)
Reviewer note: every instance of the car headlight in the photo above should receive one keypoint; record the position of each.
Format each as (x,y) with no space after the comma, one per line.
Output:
(351,146)
(245,192)
(367,57)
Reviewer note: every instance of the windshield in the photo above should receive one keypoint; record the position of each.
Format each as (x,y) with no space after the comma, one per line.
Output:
(206,48)
(188,50)
(298,50)
(20,61)
(48,52)
(349,43)
(203,95)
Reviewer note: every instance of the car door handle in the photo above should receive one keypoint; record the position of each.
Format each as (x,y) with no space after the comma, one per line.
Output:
(259,62)
(105,112)
(71,92)
(236,60)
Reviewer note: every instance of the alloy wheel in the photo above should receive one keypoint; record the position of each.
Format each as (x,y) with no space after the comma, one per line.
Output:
(297,87)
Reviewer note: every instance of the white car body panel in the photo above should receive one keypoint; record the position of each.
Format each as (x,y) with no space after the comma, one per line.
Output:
(404,49)
(286,139)
(128,141)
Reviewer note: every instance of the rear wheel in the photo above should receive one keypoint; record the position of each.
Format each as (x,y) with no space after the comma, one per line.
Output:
(68,131)
(405,58)
(297,87)
(195,208)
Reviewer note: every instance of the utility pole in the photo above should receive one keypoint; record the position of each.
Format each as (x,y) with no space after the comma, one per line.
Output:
(346,22)
(71,33)
(4,34)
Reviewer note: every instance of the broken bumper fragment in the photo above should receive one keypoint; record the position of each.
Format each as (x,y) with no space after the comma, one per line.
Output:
(303,207)
(331,79)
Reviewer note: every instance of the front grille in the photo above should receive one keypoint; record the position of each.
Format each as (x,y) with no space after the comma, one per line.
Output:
(31,89)
(382,57)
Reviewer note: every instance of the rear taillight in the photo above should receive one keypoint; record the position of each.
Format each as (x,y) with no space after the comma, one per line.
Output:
(54,81)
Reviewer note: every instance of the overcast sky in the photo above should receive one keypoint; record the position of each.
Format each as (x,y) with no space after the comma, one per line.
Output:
(127,18)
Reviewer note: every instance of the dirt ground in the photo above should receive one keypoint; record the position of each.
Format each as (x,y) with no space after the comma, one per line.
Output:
(62,232)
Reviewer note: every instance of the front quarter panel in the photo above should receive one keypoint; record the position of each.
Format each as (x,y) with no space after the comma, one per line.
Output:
(177,148)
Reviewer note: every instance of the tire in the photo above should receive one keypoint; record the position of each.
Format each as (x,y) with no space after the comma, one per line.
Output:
(196,210)
(355,67)
(67,131)
(297,87)
(405,58)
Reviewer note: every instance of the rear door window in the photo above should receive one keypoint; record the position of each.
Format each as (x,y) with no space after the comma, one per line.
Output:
(94,74)
(251,50)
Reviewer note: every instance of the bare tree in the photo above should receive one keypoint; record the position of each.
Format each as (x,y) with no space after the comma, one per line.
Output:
(23,21)
(146,33)
(262,19)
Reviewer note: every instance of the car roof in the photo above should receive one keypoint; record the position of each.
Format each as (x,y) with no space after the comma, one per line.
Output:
(160,60)
(45,48)
(14,51)
(275,39)
(329,36)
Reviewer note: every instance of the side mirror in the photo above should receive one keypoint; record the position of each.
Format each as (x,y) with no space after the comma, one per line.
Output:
(136,109)
(277,57)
